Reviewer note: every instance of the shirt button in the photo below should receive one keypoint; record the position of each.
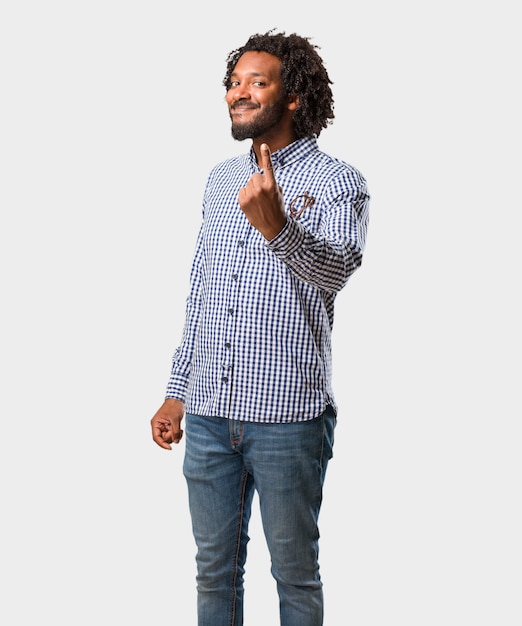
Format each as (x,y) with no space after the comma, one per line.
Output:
(225,379)
(241,244)
(228,345)
(235,276)
(231,311)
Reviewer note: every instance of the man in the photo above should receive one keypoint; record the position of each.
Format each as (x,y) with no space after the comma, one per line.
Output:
(283,229)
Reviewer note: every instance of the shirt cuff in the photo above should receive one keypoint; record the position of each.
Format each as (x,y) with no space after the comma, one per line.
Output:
(177,388)
(288,240)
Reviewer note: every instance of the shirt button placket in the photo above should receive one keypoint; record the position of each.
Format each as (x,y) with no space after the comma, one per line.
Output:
(231,312)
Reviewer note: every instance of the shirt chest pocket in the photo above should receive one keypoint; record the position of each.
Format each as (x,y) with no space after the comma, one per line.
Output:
(304,208)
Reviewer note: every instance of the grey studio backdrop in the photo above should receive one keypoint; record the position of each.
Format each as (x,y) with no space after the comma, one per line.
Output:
(112,114)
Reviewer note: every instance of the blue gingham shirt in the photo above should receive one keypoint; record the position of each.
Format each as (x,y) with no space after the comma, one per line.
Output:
(256,344)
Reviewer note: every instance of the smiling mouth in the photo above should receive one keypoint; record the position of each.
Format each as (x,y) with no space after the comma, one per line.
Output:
(239,112)
(242,107)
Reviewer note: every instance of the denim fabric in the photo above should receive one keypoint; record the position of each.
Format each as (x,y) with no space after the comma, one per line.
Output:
(225,461)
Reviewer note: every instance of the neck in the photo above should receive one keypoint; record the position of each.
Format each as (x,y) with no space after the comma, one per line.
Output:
(274,143)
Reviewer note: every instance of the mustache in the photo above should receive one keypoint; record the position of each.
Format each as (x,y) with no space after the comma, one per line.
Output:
(243,104)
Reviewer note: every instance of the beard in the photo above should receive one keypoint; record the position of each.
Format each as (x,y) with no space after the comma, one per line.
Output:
(269,117)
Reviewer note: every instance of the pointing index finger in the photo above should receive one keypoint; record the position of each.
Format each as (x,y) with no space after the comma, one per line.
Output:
(268,168)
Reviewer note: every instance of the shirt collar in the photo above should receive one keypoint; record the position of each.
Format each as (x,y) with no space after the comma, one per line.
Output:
(295,151)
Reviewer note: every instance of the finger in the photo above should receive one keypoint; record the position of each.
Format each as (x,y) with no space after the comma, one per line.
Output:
(160,440)
(266,162)
(160,433)
(177,437)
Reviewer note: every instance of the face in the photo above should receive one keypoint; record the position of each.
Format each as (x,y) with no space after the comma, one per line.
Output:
(255,98)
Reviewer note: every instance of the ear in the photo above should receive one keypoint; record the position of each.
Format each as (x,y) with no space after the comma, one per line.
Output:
(292,103)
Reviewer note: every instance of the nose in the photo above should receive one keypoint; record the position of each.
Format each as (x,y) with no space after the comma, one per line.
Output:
(239,92)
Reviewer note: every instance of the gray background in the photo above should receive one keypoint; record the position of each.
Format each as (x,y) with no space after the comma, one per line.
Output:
(112,114)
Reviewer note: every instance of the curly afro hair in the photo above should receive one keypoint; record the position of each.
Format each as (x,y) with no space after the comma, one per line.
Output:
(303,74)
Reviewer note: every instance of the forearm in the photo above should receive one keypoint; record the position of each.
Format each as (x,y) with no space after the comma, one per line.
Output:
(324,264)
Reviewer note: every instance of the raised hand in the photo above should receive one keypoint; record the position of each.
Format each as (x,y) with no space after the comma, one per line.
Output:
(261,200)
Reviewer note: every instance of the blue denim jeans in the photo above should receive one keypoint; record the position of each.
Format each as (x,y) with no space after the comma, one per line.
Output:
(225,461)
